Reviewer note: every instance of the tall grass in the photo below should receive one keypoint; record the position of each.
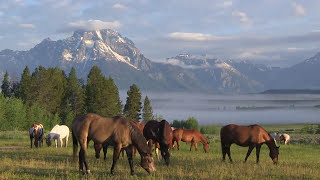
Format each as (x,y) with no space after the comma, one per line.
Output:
(296,161)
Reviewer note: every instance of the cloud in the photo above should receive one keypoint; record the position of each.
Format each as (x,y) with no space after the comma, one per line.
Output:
(299,10)
(91,25)
(294,49)
(243,17)
(194,36)
(225,4)
(27,26)
(119,6)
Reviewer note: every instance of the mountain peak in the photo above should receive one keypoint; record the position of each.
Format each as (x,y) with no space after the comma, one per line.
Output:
(313,60)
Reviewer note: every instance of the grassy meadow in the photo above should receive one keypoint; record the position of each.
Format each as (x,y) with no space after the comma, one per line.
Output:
(296,161)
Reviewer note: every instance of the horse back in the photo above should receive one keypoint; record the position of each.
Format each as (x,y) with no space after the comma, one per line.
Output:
(95,127)
(243,135)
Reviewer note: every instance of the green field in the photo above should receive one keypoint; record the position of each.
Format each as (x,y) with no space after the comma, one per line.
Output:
(296,161)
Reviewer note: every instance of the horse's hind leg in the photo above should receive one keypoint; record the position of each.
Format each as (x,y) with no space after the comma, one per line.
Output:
(82,153)
(248,153)
(129,155)
(116,153)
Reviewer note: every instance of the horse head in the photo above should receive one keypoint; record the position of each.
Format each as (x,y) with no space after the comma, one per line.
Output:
(48,140)
(206,147)
(147,162)
(274,152)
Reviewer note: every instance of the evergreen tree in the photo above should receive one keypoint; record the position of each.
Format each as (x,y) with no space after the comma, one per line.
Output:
(5,87)
(25,83)
(102,95)
(132,107)
(147,110)
(74,97)
(48,88)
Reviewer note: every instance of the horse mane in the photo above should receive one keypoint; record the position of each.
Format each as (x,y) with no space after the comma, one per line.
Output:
(138,140)
(203,139)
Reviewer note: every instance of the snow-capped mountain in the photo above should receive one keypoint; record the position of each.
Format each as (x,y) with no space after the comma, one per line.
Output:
(118,57)
(216,73)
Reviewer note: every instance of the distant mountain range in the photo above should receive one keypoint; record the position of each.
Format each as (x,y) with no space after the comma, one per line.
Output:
(118,57)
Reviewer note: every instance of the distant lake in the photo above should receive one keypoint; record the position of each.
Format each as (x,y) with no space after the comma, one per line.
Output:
(239,109)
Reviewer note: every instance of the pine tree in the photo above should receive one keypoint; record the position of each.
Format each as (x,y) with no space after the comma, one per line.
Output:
(102,95)
(74,97)
(25,83)
(133,104)
(147,110)
(5,87)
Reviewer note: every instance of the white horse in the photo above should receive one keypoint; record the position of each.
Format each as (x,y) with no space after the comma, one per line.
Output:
(276,137)
(285,137)
(58,133)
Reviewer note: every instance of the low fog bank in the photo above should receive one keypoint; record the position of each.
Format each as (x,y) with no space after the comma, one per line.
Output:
(238,109)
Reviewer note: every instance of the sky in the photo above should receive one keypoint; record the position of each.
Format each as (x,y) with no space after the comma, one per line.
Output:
(272,32)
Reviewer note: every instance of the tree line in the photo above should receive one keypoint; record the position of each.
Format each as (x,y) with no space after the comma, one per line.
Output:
(51,97)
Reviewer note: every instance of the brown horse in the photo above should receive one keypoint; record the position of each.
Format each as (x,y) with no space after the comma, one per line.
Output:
(104,146)
(116,131)
(253,136)
(160,132)
(36,132)
(190,135)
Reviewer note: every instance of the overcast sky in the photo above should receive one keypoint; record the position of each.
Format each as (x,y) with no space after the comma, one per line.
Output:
(273,32)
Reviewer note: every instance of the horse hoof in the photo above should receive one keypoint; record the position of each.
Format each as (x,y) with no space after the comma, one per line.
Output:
(88,172)
(133,174)
(112,173)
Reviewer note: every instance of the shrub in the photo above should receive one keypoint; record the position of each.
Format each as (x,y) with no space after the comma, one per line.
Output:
(210,129)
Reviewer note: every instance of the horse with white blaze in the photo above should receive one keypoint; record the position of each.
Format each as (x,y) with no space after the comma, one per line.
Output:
(58,133)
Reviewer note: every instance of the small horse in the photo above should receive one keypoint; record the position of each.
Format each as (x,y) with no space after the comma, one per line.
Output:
(190,135)
(58,133)
(253,136)
(116,131)
(285,137)
(160,132)
(36,131)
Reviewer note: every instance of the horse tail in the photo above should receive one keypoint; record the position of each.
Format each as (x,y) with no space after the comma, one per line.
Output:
(75,145)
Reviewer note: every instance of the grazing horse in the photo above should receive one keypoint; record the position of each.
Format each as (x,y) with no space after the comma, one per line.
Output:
(104,146)
(36,131)
(253,136)
(58,133)
(116,131)
(285,137)
(190,135)
(160,132)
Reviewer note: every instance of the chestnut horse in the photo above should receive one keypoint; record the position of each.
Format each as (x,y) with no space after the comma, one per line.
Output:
(104,146)
(116,131)
(253,136)
(160,132)
(190,135)
(36,131)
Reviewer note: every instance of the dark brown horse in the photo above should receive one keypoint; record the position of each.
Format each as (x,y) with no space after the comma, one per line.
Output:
(36,132)
(116,131)
(105,145)
(160,132)
(190,135)
(253,136)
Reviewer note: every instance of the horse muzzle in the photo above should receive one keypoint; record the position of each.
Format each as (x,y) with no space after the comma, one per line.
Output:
(275,161)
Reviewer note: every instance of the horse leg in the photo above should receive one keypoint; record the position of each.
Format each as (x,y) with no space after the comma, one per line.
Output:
(196,146)
(61,142)
(157,153)
(67,138)
(56,142)
(248,153)
(178,144)
(226,150)
(129,155)
(191,146)
(31,142)
(258,147)
(116,153)
(105,150)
